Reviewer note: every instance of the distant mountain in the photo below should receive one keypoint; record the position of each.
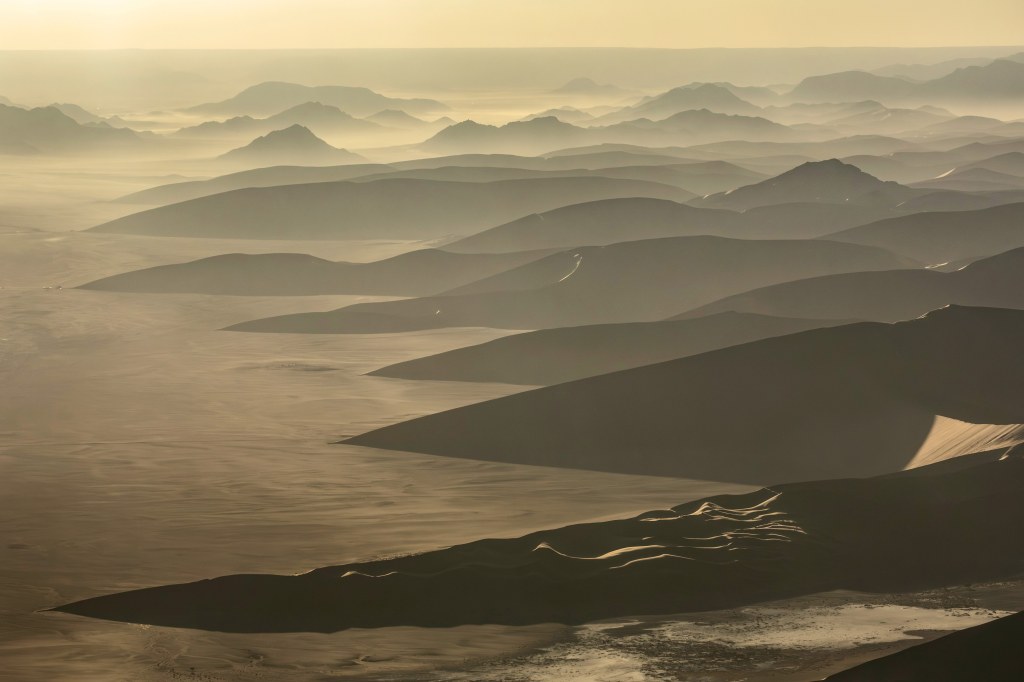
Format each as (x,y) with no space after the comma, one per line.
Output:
(829,181)
(704,96)
(416,273)
(587,87)
(927,72)
(395,118)
(889,120)
(924,529)
(554,356)
(320,118)
(887,296)
(323,117)
(755,413)
(548,134)
(997,80)
(563,114)
(236,126)
(983,652)
(693,127)
(77,113)
(47,130)
(535,136)
(383,209)
(852,85)
(293,145)
(268,98)
(635,281)
(940,237)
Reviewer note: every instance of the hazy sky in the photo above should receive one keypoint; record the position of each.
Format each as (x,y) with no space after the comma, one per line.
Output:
(76,24)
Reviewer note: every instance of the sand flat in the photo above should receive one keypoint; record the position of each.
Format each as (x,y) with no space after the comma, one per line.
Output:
(140,446)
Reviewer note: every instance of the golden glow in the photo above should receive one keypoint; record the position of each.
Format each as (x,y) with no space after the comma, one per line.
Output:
(109,24)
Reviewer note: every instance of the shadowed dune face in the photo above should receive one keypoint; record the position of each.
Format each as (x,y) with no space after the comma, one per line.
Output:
(752,296)
(386,209)
(983,652)
(887,296)
(552,356)
(716,553)
(627,282)
(415,273)
(847,401)
(943,237)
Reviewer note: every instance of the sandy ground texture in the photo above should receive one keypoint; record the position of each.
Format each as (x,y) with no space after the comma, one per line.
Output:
(794,640)
(140,446)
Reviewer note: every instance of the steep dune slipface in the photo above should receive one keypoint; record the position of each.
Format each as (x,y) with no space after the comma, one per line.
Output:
(921,529)
(629,282)
(887,296)
(847,401)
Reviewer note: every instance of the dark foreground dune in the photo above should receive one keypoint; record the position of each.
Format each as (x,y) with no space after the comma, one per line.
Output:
(854,400)
(417,273)
(924,529)
(552,356)
(885,296)
(990,652)
(636,281)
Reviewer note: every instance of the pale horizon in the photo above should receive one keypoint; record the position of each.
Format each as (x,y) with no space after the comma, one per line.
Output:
(665,24)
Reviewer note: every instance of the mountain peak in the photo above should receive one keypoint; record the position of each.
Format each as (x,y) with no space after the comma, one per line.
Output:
(294,144)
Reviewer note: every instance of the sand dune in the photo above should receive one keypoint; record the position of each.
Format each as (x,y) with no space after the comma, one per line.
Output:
(699,177)
(627,282)
(885,296)
(552,356)
(416,273)
(984,652)
(599,223)
(757,413)
(614,220)
(921,529)
(257,177)
(944,236)
(391,209)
